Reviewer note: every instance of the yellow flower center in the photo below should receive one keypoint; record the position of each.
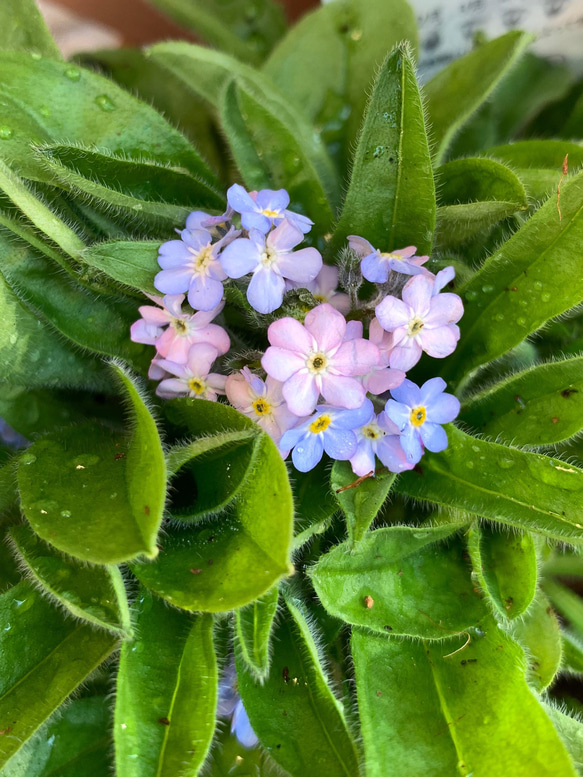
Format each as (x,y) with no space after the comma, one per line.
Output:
(271,214)
(320,298)
(202,258)
(261,406)
(386,256)
(317,362)
(372,431)
(320,424)
(415,326)
(418,416)
(180,326)
(268,257)
(197,385)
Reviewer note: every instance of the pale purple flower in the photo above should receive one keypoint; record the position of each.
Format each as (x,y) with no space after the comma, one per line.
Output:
(173,332)
(324,288)
(262,401)
(198,219)
(193,379)
(191,265)
(379,437)
(442,278)
(271,259)
(314,359)
(380,377)
(376,264)
(231,706)
(263,209)
(330,429)
(421,321)
(156,372)
(418,413)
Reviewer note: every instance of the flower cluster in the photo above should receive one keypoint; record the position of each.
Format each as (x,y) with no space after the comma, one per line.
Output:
(326,378)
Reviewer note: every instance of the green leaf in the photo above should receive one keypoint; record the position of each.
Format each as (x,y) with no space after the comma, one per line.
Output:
(534,276)
(539,634)
(9,574)
(98,323)
(314,503)
(96,494)
(503,484)
(539,163)
(572,127)
(247,33)
(23,29)
(295,713)
(44,658)
(66,103)
(77,742)
(458,90)
(398,580)
(289,153)
(540,406)
(362,503)
(572,652)
(431,708)
(166,693)
(93,594)
(131,263)
(232,560)
(391,195)
(180,455)
(143,190)
(33,356)
(571,732)
(473,195)
(229,758)
(254,624)
(566,602)
(506,567)
(344,43)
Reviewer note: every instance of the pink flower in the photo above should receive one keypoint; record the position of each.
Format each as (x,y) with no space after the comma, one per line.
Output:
(262,401)
(324,288)
(421,321)
(183,329)
(193,379)
(381,377)
(376,264)
(314,359)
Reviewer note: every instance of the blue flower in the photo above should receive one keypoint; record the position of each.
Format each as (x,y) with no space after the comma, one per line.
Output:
(418,413)
(330,429)
(271,261)
(231,706)
(379,437)
(376,264)
(264,209)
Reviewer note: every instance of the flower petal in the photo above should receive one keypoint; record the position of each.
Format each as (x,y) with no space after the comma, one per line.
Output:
(300,266)
(431,389)
(307,453)
(281,364)
(392,455)
(200,358)
(417,294)
(173,253)
(340,444)
(443,409)
(356,357)
(445,309)
(440,342)
(398,412)
(403,357)
(408,393)
(272,199)
(411,444)
(205,293)
(341,391)
(361,246)
(265,292)
(239,392)
(392,313)
(251,220)
(239,199)
(301,393)
(354,419)
(363,461)
(383,379)
(285,237)
(173,281)
(288,333)
(434,437)
(375,268)
(239,258)
(326,325)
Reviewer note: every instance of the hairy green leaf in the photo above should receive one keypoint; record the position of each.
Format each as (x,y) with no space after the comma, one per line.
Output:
(570,730)
(23,29)
(93,594)
(314,503)
(361,503)
(540,406)
(539,634)
(247,33)
(440,708)
(76,742)
(534,276)
(166,693)
(503,484)
(295,713)
(505,564)
(572,652)
(131,263)
(391,195)
(398,580)
(566,601)
(44,658)
(458,90)
(253,627)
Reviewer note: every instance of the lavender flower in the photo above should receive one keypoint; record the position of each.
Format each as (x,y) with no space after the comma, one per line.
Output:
(262,401)
(271,260)
(198,219)
(376,265)
(193,379)
(314,359)
(324,288)
(421,321)
(379,437)
(330,429)
(173,332)
(418,413)
(380,377)
(261,210)
(231,706)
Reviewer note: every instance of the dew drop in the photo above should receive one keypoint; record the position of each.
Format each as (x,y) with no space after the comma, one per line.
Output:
(487,289)
(65,513)
(506,463)
(545,297)
(36,55)
(538,285)
(5,132)
(44,110)
(105,103)
(499,317)
(476,448)
(27,458)
(379,151)
(521,321)
(471,295)
(22,605)
(73,73)
(470,464)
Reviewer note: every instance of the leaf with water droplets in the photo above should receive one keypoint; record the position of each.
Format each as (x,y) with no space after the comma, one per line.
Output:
(508,485)
(94,594)
(166,693)
(440,708)
(253,629)
(45,657)
(534,276)
(97,494)
(23,28)
(391,195)
(398,580)
(505,564)
(295,713)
